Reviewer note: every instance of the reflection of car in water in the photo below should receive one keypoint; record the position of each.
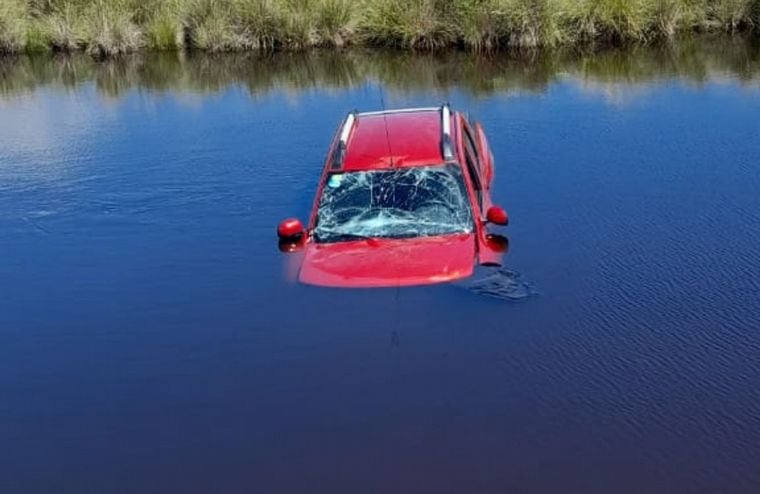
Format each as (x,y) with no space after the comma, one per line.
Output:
(403,200)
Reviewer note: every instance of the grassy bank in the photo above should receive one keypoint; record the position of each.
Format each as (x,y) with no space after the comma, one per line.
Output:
(109,27)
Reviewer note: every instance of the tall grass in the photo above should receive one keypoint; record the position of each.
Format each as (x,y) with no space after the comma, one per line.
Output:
(261,22)
(210,26)
(336,21)
(612,21)
(64,26)
(533,23)
(731,15)
(162,23)
(112,27)
(408,23)
(13,25)
(665,17)
(268,24)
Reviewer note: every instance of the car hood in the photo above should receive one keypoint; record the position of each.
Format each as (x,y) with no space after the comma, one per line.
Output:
(389,262)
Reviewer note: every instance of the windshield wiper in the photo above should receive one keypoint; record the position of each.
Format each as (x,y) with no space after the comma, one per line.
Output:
(351,236)
(341,237)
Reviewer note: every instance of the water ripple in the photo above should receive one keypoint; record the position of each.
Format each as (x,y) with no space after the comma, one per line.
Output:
(503,284)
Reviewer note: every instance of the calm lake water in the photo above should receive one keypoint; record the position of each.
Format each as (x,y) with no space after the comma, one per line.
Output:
(151,338)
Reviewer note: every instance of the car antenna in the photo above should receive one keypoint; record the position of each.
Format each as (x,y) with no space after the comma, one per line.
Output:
(385,121)
(394,335)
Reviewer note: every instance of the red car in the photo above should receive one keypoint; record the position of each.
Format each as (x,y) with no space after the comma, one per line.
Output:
(403,199)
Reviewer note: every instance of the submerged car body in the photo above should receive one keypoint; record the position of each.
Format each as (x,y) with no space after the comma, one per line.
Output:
(403,199)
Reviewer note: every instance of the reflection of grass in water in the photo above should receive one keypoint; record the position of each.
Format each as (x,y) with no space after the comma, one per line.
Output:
(108,27)
(695,60)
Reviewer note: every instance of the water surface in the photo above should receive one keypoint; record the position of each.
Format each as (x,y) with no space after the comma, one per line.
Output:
(151,339)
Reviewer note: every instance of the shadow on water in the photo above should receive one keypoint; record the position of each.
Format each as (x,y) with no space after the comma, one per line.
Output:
(697,60)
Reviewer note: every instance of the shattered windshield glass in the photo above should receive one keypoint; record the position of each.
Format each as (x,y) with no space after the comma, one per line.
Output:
(396,203)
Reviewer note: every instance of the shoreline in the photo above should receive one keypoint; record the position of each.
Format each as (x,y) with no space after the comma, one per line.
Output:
(104,28)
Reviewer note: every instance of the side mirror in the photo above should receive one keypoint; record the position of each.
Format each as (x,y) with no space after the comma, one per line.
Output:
(290,229)
(497,216)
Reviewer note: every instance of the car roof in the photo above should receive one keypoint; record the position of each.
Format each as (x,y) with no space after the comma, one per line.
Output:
(393,139)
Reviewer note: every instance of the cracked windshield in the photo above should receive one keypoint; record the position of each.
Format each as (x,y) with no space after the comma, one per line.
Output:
(398,203)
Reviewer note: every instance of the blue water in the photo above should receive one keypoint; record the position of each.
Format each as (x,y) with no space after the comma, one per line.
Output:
(151,338)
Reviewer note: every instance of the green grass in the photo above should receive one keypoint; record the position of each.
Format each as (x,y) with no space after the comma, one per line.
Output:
(162,23)
(63,26)
(611,21)
(261,22)
(112,27)
(417,24)
(13,25)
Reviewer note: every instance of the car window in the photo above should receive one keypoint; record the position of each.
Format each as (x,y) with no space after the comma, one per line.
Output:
(474,174)
(471,155)
(471,160)
(470,142)
(393,203)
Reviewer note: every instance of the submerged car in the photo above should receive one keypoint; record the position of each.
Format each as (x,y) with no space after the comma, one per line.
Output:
(403,199)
